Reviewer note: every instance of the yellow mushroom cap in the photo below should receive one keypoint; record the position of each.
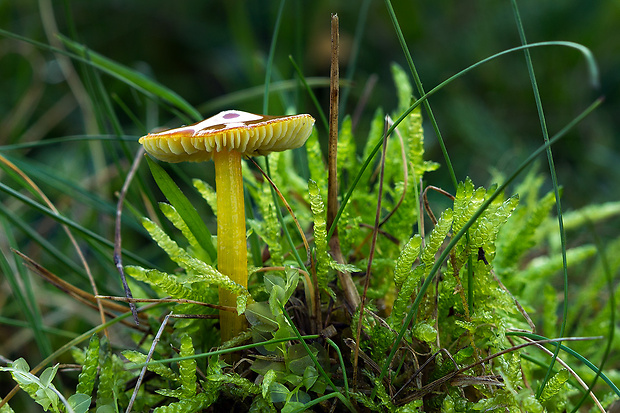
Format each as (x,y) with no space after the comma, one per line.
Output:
(245,132)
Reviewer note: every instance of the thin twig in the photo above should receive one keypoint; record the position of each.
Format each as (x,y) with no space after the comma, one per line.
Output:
(427,206)
(148,357)
(370,258)
(168,300)
(73,291)
(421,368)
(118,260)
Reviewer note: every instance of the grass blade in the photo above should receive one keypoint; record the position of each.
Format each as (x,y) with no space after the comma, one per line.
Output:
(272,51)
(594,79)
(418,83)
(121,72)
(556,190)
(131,77)
(573,353)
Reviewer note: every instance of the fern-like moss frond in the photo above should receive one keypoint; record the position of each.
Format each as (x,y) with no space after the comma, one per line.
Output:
(346,156)
(86,379)
(157,368)
(270,226)
(199,272)
(168,283)
(405,260)
(187,368)
(173,216)
(316,164)
(436,237)
(320,234)
(194,404)
(207,192)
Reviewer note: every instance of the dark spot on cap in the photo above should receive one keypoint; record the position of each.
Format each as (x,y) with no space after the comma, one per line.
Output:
(231,115)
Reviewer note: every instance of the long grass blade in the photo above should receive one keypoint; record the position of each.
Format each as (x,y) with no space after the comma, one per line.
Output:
(27,182)
(49,176)
(70,344)
(123,73)
(130,77)
(357,40)
(74,138)
(594,79)
(46,245)
(306,84)
(418,83)
(272,51)
(556,189)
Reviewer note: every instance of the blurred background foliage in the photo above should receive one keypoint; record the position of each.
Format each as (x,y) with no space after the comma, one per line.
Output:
(206,50)
(213,54)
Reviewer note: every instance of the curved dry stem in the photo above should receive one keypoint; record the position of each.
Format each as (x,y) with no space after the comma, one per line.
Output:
(78,250)
(571,371)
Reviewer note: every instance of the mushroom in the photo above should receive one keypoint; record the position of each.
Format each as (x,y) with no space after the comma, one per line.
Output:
(226,138)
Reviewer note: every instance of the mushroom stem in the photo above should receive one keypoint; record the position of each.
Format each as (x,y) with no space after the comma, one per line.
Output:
(232,253)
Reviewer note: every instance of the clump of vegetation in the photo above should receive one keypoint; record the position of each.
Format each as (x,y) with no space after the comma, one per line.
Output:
(373,297)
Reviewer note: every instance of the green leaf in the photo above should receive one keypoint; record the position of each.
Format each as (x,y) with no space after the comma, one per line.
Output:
(260,317)
(158,368)
(48,375)
(278,392)
(293,407)
(310,377)
(131,77)
(21,365)
(86,379)
(298,359)
(80,403)
(185,209)
(276,296)
(269,378)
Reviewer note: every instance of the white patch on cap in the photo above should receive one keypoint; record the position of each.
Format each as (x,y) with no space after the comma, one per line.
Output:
(226,119)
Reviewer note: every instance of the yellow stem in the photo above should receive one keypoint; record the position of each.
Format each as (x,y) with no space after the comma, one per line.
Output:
(232,252)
